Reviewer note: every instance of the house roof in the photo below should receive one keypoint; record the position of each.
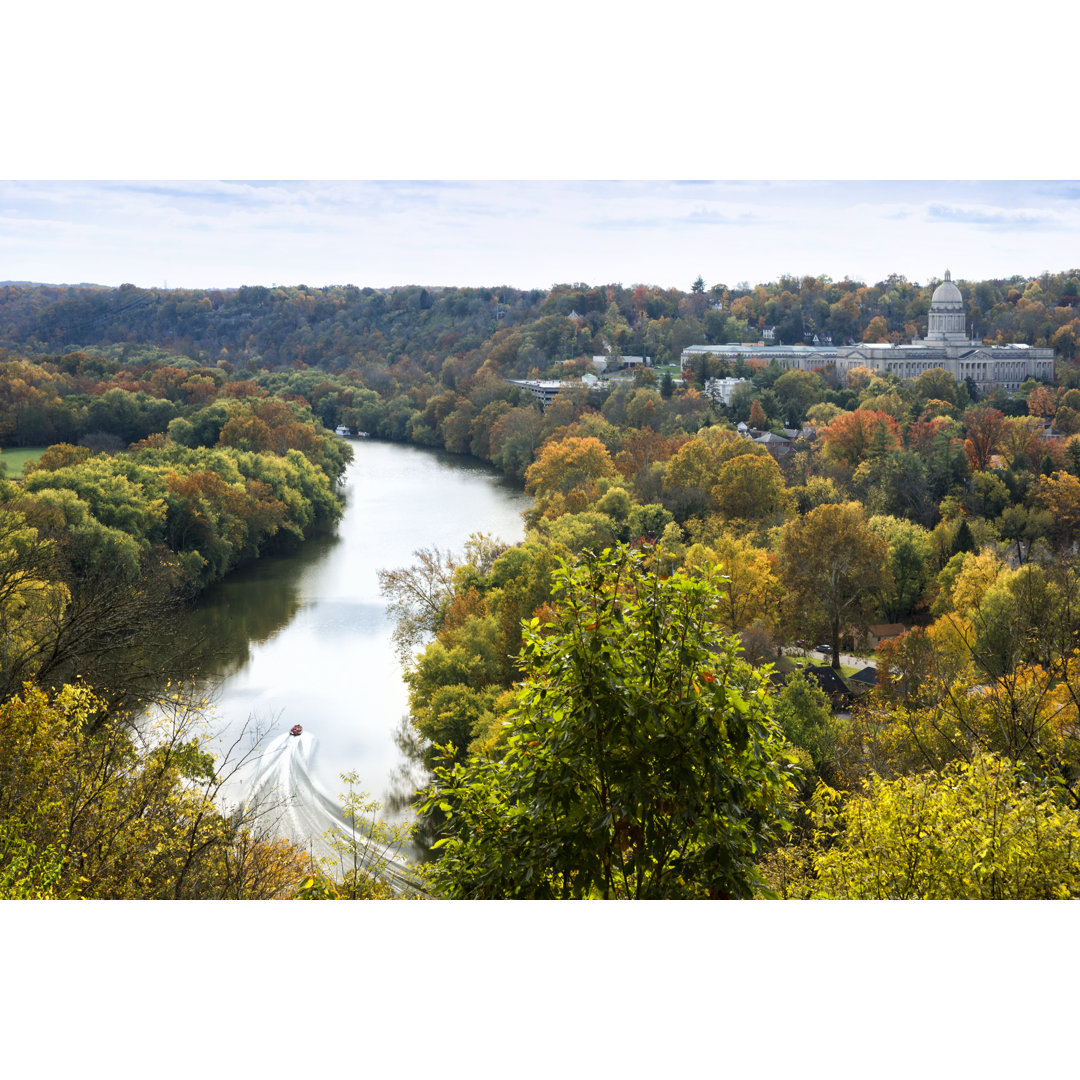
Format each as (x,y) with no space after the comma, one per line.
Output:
(890,629)
(868,675)
(827,679)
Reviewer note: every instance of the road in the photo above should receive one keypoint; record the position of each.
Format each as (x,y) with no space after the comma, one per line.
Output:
(819,658)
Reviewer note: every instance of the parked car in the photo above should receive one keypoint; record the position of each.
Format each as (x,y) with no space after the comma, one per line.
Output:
(826,649)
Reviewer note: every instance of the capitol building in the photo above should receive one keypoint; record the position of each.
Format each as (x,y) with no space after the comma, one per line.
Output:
(948,346)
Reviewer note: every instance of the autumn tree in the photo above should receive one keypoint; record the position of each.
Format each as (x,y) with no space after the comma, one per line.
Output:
(984,830)
(94,806)
(752,592)
(1042,402)
(750,487)
(854,435)
(1060,495)
(569,466)
(877,330)
(832,564)
(1022,441)
(693,471)
(984,430)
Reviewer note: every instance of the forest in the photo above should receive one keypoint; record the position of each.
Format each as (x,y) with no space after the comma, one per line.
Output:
(624,705)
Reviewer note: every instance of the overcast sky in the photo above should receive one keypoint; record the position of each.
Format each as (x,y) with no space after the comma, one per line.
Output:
(128,113)
(530,234)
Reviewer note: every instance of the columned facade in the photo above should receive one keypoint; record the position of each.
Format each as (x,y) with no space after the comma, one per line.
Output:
(948,346)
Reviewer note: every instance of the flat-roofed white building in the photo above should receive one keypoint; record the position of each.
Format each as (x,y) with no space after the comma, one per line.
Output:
(544,390)
(803,357)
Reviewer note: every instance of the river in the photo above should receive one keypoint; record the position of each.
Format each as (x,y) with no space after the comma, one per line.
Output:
(305,639)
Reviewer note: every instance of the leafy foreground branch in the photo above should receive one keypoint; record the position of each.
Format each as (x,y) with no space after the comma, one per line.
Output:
(641,761)
(93,806)
(990,829)
(366,863)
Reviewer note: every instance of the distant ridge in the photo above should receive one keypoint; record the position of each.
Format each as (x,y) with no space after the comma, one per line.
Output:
(61,284)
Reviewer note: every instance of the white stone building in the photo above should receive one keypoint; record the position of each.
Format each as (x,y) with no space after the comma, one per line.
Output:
(948,346)
(720,389)
(801,357)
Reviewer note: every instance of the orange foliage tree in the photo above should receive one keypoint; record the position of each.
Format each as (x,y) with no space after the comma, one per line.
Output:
(569,465)
(985,429)
(851,436)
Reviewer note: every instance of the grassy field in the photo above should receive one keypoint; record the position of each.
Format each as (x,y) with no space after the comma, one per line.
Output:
(16,457)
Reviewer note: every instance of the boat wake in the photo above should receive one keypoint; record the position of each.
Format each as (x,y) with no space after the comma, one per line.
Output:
(284,784)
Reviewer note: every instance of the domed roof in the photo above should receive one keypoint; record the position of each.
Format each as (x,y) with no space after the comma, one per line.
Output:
(946,292)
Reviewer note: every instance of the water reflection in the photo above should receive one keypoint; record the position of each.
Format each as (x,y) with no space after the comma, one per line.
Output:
(248,609)
(305,639)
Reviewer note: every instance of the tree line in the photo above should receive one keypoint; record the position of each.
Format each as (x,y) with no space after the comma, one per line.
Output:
(655,524)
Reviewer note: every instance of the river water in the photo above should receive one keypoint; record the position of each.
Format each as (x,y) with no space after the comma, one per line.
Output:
(305,639)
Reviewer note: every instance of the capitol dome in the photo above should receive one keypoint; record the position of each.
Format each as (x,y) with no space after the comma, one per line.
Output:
(947,324)
(946,293)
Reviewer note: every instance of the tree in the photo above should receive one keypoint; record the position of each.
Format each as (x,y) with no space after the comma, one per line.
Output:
(418,596)
(935,384)
(853,436)
(642,760)
(908,559)
(750,487)
(984,428)
(895,483)
(806,716)
(752,592)
(832,563)
(985,830)
(797,391)
(366,855)
(95,806)
(1042,402)
(876,330)
(1060,495)
(693,471)
(570,463)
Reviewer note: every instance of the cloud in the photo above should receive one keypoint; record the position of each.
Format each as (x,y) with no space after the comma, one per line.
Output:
(528,233)
(688,219)
(999,217)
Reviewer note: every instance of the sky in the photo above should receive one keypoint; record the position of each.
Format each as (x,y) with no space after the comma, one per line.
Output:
(530,233)
(483,144)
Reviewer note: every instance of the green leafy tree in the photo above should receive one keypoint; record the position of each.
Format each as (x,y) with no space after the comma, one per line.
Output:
(797,392)
(642,760)
(909,556)
(832,564)
(805,714)
(366,864)
(985,830)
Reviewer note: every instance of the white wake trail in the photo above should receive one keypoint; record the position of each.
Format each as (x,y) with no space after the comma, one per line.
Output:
(305,811)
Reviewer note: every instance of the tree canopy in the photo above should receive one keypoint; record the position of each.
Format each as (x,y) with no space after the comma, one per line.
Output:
(641,759)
